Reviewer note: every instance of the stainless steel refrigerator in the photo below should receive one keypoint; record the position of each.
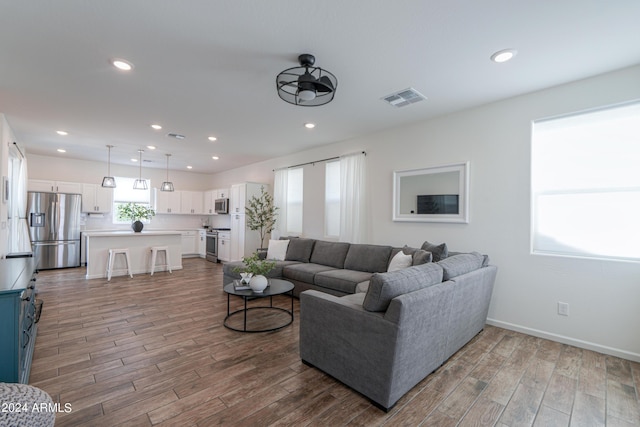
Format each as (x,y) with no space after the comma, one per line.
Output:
(54,228)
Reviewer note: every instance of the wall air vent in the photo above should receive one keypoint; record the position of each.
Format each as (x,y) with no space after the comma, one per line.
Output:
(404,97)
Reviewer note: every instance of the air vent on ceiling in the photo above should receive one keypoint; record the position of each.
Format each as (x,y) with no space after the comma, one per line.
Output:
(404,97)
(175,135)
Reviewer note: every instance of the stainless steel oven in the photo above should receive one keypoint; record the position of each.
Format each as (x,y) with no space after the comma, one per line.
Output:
(212,246)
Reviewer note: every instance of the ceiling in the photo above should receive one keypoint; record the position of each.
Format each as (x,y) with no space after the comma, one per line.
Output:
(208,68)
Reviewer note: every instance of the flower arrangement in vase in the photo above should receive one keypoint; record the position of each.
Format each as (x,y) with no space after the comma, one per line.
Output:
(134,213)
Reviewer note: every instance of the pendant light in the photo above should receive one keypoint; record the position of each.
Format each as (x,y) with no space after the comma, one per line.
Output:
(140,184)
(109,181)
(167,185)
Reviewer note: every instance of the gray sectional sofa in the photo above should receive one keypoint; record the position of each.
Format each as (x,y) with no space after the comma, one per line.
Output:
(336,268)
(380,332)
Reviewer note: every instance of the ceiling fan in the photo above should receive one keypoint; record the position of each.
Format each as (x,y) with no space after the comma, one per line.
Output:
(306,85)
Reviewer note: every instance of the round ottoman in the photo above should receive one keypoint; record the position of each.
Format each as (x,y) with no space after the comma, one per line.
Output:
(25,406)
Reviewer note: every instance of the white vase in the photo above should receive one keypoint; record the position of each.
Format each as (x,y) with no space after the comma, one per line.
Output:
(258,283)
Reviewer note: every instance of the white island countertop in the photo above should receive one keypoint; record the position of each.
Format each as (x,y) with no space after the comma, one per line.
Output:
(99,242)
(116,233)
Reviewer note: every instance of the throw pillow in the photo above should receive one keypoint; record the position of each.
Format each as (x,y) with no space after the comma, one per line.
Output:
(400,261)
(277,249)
(438,251)
(421,256)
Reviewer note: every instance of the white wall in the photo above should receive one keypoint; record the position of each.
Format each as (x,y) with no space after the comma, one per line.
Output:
(604,296)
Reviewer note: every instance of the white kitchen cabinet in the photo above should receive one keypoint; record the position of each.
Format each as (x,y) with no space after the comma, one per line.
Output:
(224,246)
(95,198)
(209,198)
(222,193)
(191,202)
(237,198)
(54,186)
(167,202)
(202,243)
(190,243)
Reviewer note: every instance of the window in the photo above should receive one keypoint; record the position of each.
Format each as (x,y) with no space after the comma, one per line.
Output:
(294,200)
(586,184)
(332,199)
(124,193)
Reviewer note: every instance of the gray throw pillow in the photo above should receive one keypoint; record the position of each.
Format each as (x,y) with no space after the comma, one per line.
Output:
(420,256)
(439,251)
(300,249)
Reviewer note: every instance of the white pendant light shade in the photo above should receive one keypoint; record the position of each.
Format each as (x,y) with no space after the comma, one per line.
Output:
(140,184)
(167,185)
(109,181)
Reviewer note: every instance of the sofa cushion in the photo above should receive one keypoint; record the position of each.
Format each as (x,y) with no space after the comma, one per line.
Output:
(341,280)
(277,249)
(300,249)
(460,264)
(329,253)
(371,258)
(383,287)
(400,261)
(303,272)
(439,251)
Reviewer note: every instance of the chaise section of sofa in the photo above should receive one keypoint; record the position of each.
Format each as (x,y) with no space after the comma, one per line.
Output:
(409,322)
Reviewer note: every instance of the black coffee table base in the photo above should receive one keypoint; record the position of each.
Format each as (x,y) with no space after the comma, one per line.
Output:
(249,295)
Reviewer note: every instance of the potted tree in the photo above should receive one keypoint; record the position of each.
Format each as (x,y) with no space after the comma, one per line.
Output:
(134,213)
(261,215)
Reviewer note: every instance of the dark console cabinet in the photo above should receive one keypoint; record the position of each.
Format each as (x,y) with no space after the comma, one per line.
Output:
(19,314)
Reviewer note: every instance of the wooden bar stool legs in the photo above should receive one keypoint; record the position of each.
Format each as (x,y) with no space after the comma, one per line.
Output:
(112,259)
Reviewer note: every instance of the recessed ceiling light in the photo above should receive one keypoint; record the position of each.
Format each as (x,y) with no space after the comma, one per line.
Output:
(503,55)
(61,150)
(134,160)
(189,167)
(212,138)
(151,147)
(62,132)
(121,64)
(215,157)
(156,127)
(309,125)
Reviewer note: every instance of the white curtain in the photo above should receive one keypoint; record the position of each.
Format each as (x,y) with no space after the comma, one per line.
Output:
(280,186)
(17,223)
(353,224)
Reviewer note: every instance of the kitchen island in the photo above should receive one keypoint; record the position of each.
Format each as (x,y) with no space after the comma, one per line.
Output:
(139,244)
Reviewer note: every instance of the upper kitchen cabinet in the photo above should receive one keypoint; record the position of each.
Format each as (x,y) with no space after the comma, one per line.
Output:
(209,202)
(167,202)
(54,186)
(222,193)
(240,194)
(192,202)
(95,198)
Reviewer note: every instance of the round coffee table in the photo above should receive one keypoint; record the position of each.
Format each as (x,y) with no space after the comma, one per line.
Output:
(276,287)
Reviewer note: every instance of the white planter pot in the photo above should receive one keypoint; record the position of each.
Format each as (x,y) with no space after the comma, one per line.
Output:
(258,284)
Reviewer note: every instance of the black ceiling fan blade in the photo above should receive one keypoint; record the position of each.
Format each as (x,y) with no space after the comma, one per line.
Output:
(324,84)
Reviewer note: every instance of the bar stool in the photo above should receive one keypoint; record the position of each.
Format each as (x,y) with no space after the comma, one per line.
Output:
(154,255)
(112,259)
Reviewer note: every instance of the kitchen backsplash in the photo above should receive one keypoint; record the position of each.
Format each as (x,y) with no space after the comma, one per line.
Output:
(158,222)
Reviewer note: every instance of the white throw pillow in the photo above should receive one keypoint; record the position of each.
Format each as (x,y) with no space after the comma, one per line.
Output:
(400,261)
(277,249)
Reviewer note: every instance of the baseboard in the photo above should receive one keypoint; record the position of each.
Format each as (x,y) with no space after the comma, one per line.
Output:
(566,340)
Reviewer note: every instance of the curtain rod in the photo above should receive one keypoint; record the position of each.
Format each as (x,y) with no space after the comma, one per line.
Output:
(319,161)
(18,148)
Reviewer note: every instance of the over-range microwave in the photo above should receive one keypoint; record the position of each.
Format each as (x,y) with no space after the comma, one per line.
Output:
(222,206)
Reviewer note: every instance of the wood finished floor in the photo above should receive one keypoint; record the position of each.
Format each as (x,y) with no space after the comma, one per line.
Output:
(153,351)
